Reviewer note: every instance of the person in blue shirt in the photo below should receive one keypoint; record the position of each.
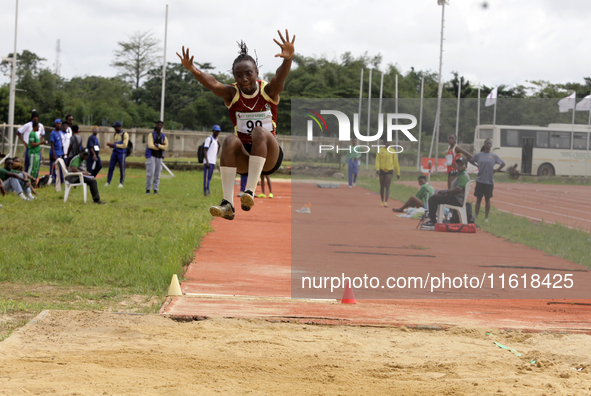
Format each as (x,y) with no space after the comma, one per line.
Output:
(93,162)
(57,148)
(119,146)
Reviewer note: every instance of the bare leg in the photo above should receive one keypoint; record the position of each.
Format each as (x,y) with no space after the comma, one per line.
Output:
(262,184)
(382,186)
(269,183)
(487,207)
(412,201)
(387,182)
(234,154)
(477,208)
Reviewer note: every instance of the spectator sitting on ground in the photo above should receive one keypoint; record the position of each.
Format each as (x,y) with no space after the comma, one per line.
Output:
(15,181)
(419,200)
(78,164)
(454,196)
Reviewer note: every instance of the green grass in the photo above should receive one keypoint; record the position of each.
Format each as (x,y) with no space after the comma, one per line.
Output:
(553,239)
(135,242)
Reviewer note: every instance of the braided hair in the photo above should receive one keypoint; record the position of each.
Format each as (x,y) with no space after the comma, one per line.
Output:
(244,56)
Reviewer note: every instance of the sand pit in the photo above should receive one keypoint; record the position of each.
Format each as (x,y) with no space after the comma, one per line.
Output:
(92,353)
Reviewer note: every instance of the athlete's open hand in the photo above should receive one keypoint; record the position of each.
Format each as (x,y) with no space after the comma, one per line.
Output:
(186,61)
(287,47)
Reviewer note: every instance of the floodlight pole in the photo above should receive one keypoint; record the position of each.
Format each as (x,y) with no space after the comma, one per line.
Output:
(368,115)
(420,125)
(440,87)
(12,89)
(164,67)
(359,118)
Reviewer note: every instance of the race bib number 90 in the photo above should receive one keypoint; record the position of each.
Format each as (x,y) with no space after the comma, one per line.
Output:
(246,122)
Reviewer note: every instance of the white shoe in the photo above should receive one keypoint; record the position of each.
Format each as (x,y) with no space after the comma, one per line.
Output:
(241,193)
(350,186)
(247,200)
(354,184)
(107,184)
(120,185)
(486,220)
(30,197)
(305,209)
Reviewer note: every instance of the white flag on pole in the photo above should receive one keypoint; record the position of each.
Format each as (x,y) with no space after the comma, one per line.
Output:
(584,104)
(565,104)
(491,99)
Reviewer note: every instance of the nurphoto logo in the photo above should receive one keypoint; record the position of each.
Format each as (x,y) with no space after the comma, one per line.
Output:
(345,130)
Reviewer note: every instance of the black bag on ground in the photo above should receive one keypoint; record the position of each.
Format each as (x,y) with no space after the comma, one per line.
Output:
(455,216)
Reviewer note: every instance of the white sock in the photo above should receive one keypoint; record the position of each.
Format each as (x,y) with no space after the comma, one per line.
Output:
(22,196)
(228,176)
(255,167)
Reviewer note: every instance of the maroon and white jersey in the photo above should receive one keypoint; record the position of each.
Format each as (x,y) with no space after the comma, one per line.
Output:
(250,111)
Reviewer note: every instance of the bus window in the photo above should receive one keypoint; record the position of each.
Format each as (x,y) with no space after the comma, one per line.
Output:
(542,139)
(509,138)
(560,140)
(485,133)
(580,142)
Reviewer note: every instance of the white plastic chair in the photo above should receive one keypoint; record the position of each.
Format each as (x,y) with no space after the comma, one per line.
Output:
(461,209)
(70,184)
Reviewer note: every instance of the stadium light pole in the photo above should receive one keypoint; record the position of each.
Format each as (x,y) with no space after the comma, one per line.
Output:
(164,67)
(12,88)
(437,126)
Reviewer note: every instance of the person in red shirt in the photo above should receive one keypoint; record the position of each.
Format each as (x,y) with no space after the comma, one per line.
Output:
(454,152)
(252,104)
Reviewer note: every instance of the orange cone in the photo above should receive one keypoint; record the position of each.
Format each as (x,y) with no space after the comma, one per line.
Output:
(348,296)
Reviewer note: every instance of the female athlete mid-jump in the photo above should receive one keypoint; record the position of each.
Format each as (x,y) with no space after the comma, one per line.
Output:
(252,104)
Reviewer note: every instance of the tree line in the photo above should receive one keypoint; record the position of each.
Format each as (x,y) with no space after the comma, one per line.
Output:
(133,97)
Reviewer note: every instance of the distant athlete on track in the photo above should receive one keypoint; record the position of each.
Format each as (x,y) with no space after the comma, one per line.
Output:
(252,104)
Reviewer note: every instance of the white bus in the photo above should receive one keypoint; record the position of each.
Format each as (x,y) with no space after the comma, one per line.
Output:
(542,151)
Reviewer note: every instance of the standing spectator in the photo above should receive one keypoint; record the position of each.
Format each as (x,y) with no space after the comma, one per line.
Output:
(352,160)
(262,194)
(25,130)
(157,145)
(243,180)
(35,143)
(210,155)
(454,152)
(386,163)
(57,148)
(485,161)
(77,164)
(119,146)
(15,181)
(75,143)
(94,163)
(67,136)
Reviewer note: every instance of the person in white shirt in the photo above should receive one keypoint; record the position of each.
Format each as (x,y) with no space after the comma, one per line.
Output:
(67,137)
(210,155)
(24,132)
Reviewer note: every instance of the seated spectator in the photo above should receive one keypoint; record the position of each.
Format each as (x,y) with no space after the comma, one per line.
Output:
(454,196)
(78,164)
(15,181)
(420,200)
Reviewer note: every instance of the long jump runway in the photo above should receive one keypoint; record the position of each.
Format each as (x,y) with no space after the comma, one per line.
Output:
(244,268)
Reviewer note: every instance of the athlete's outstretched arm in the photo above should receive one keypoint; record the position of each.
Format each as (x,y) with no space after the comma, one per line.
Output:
(226,92)
(287,51)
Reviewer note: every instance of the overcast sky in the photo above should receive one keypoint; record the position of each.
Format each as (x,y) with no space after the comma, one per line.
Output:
(507,42)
